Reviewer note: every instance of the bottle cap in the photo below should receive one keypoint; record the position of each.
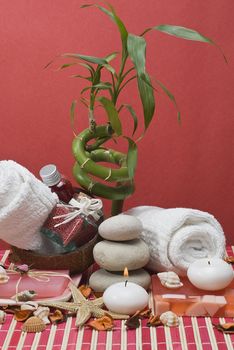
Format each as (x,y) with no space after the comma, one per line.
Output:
(50,175)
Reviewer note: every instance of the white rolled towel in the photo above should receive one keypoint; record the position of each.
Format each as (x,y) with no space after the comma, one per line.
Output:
(177,237)
(25,203)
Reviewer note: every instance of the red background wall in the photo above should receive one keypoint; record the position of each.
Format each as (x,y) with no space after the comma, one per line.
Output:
(189,165)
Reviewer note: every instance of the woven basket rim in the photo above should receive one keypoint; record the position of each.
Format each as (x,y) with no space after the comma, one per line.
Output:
(75,252)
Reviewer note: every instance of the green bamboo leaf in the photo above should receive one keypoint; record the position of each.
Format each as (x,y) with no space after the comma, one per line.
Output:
(112,113)
(126,82)
(184,33)
(90,59)
(67,65)
(137,51)
(122,29)
(103,85)
(97,75)
(87,5)
(167,92)
(127,72)
(48,64)
(72,113)
(133,114)
(81,76)
(85,89)
(131,157)
(143,77)
(110,68)
(171,97)
(84,101)
(111,56)
(89,67)
(147,98)
(100,86)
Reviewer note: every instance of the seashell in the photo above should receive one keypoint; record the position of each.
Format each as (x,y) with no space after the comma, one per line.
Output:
(3,275)
(169,319)
(43,312)
(29,305)
(2,317)
(170,279)
(33,325)
(25,295)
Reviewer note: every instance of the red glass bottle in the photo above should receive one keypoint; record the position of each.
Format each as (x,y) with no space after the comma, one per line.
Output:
(58,184)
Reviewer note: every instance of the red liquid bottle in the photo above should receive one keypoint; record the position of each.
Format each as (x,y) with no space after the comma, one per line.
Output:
(58,184)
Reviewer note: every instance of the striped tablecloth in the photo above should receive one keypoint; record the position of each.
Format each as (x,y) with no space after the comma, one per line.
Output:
(192,333)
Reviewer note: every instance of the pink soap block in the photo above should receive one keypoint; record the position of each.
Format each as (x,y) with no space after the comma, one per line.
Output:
(161,307)
(54,286)
(191,301)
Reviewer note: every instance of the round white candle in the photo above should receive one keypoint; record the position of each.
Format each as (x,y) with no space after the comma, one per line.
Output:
(210,274)
(125,298)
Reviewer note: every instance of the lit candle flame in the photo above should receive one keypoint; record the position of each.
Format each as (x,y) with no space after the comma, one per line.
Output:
(126,275)
(125,272)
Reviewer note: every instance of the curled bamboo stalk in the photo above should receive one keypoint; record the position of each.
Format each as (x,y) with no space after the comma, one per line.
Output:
(87,157)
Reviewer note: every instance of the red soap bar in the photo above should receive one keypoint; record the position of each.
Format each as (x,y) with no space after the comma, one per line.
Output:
(44,286)
(191,301)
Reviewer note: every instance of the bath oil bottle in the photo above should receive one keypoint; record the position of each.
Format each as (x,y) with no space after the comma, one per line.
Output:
(56,182)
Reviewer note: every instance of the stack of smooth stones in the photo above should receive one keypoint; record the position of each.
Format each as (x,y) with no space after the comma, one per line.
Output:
(120,248)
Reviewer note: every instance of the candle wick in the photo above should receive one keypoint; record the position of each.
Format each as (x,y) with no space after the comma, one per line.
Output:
(209,262)
(126,283)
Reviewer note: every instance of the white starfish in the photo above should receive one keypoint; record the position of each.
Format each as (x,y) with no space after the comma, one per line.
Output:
(83,307)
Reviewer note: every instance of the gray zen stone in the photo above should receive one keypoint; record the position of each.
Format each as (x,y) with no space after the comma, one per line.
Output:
(102,279)
(115,256)
(120,228)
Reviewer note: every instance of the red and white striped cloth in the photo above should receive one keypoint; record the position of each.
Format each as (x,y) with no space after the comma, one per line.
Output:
(192,334)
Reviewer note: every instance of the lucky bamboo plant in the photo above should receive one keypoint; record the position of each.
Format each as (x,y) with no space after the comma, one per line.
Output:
(91,146)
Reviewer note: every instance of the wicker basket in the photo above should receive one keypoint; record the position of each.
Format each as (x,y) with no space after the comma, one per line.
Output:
(77,261)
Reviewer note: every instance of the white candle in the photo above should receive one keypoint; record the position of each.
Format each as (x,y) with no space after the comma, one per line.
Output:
(125,298)
(210,274)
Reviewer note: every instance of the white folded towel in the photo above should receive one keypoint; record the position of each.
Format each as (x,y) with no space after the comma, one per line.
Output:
(25,203)
(177,237)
